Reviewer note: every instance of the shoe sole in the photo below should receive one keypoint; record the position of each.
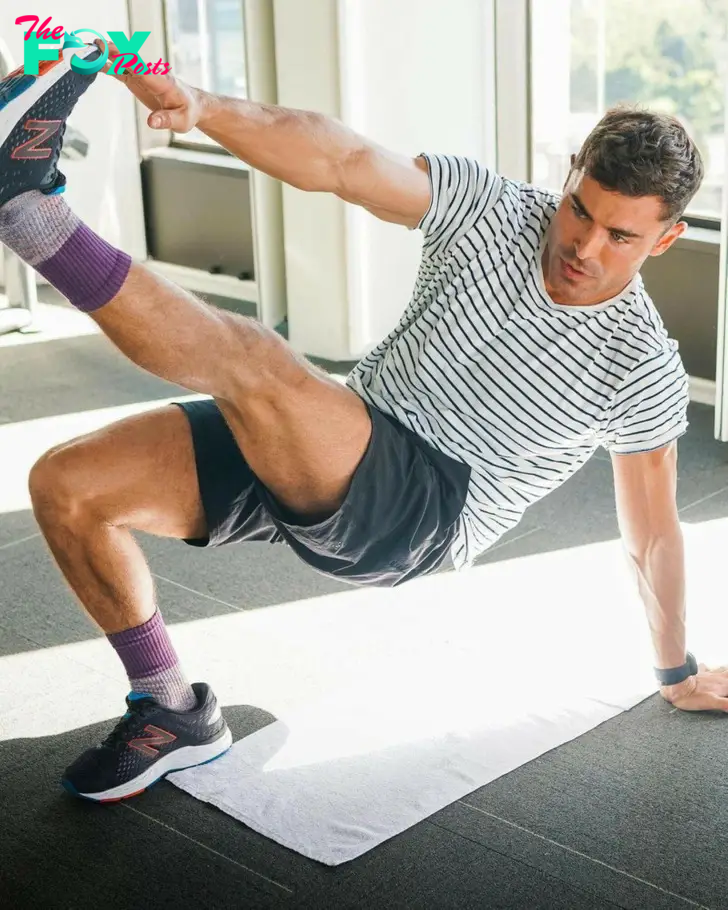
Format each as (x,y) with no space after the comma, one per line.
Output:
(47,78)
(179,760)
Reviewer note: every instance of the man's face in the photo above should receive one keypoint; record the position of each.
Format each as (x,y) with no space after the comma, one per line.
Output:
(599,239)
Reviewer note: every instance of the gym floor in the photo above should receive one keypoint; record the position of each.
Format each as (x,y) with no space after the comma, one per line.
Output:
(634,814)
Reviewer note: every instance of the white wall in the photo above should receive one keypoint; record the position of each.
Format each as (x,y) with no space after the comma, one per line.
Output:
(315,246)
(551,86)
(105,188)
(413,75)
(414,80)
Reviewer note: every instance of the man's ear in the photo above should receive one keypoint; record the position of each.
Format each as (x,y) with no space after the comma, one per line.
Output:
(668,238)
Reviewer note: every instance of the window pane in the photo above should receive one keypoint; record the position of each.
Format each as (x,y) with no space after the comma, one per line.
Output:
(206,48)
(669,55)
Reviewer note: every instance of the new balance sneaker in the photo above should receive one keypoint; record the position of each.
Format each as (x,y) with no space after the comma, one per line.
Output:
(33,114)
(148,742)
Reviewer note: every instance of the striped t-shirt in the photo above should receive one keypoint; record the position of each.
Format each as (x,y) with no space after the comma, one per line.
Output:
(485,367)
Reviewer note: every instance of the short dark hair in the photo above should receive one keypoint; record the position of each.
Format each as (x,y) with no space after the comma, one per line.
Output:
(638,152)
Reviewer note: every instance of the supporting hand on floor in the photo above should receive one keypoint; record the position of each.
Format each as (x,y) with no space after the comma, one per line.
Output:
(707,690)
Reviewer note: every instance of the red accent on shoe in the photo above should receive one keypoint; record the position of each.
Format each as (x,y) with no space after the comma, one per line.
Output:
(156,737)
(32,150)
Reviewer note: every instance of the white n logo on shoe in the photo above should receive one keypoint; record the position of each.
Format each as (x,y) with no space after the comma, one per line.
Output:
(156,737)
(33,149)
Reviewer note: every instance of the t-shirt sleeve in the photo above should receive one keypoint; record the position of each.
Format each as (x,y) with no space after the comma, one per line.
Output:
(463,190)
(650,409)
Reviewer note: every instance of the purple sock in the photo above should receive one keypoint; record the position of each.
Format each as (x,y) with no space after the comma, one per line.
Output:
(152,664)
(46,234)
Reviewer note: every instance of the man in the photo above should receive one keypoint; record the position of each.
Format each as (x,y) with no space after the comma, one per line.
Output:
(528,342)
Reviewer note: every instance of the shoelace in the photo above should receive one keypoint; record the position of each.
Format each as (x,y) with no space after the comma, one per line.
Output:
(129,724)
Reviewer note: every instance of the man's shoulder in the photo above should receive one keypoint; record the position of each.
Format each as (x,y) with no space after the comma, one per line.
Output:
(523,210)
(642,335)
(642,314)
(531,196)
(542,194)
(459,167)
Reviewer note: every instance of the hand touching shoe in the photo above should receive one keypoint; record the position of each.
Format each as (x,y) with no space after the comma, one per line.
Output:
(174,104)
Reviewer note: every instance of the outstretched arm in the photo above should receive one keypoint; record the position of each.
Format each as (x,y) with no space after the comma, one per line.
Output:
(304,149)
(319,154)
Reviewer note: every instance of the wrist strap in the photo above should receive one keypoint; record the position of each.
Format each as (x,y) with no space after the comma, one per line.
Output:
(675,675)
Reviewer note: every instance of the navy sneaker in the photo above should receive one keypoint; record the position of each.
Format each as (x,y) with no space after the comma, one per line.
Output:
(33,114)
(148,742)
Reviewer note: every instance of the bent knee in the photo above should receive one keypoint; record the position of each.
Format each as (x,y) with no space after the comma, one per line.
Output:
(58,482)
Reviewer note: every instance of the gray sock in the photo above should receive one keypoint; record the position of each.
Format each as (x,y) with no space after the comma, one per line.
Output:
(46,234)
(170,688)
(152,665)
(36,226)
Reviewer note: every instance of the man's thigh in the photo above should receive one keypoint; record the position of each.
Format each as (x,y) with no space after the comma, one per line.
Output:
(397,519)
(303,435)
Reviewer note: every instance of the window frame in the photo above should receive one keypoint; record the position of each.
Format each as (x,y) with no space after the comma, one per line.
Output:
(145,16)
(706,222)
(178,141)
(517,100)
(512,46)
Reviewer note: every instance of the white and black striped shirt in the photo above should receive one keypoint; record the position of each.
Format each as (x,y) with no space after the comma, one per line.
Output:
(486,368)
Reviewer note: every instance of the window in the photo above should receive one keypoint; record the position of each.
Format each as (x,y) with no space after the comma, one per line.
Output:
(669,55)
(207,49)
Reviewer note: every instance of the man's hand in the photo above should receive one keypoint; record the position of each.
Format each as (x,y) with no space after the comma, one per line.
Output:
(706,691)
(174,105)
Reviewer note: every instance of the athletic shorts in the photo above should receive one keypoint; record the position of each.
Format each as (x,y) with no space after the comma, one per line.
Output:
(397,521)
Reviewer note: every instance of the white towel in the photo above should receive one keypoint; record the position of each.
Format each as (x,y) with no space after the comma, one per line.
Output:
(442,686)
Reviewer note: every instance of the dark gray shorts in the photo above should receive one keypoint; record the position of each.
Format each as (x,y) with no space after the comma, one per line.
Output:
(397,521)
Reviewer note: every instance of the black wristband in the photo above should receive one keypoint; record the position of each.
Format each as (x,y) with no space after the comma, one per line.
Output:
(675,675)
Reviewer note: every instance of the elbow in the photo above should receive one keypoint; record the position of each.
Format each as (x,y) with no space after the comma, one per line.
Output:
(344,172)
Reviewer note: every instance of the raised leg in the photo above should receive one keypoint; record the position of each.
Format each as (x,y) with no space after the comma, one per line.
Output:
(302,433)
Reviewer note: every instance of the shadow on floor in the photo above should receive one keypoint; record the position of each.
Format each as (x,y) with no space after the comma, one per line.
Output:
(92,853)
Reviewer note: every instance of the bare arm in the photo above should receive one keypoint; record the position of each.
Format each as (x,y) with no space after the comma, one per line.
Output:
(304,149)
(645,487)
(319,154)
(645,490)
